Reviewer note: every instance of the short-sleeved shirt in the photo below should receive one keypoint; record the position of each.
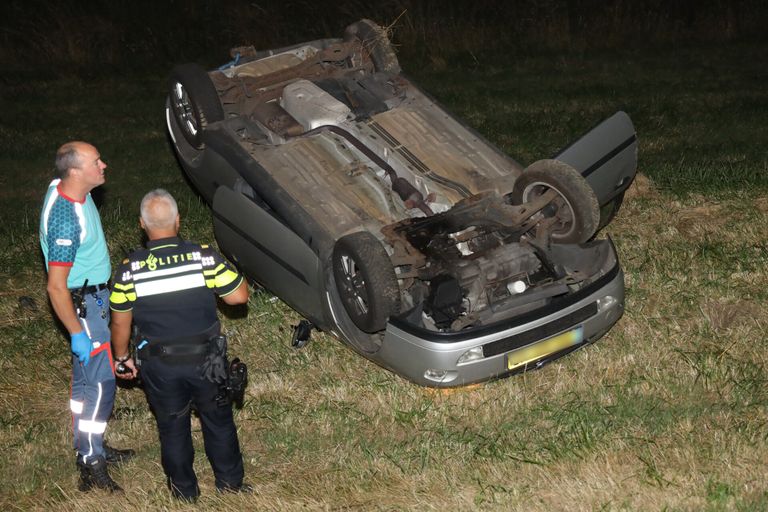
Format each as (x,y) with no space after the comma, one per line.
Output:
(171,287)
(71,235)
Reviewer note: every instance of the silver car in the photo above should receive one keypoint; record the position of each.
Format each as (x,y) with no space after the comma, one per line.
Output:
(347,191)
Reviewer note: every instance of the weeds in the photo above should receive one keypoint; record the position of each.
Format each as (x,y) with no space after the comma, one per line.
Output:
(91,36)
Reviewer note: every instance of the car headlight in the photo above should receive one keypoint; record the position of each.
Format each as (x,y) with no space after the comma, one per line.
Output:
(473,354)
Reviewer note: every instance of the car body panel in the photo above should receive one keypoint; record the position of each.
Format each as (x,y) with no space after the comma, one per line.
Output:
(324,140)
(606,156)
(266,247)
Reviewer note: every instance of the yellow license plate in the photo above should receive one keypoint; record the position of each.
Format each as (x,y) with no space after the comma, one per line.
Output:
(531,353)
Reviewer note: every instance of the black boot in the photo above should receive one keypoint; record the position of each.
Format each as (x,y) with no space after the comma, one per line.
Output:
(85,483)
(242,488)
(115,456)
(94,474)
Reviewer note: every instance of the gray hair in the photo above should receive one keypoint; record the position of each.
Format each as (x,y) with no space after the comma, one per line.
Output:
(67,157)
(159,209)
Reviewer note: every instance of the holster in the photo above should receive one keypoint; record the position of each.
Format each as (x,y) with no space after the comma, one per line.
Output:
(214,366)
(233,390)
(238,381)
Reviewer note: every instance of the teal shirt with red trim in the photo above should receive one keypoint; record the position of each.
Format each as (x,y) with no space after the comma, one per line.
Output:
(71,235)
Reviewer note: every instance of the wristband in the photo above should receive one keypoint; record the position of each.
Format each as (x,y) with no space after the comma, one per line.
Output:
(122,359)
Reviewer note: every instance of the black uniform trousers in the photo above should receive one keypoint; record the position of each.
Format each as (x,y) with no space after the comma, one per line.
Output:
(171,389)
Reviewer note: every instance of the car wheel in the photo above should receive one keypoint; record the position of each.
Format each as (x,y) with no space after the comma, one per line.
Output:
(375,43)
(575,207)
(194,102)
(365,280)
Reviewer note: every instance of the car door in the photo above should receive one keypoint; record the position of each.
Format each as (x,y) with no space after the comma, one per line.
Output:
(268,252)
(606,156)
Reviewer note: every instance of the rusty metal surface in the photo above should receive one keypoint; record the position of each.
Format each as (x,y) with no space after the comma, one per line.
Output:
(445,147)
(332,192)
(263,80)
(335,185)
(425,144)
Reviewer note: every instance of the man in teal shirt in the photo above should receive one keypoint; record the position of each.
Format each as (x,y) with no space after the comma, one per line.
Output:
(76,257)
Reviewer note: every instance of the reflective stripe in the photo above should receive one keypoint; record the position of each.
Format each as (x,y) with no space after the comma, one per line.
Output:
(49,204)
(225,278)
(93,422)
(172,284)
(85,325)
(81,220)
(75,406)
(215,271)
(92,427)
(219,277)
(118,298)
(166,271)
(122,298)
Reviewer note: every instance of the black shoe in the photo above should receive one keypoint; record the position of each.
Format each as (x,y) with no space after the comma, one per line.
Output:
(115,456)
(301,334)
(94,474)
(85,483)
(242,488)
(186,498)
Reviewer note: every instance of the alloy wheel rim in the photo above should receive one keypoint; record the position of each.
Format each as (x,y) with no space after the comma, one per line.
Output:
(354,286)
(184,110)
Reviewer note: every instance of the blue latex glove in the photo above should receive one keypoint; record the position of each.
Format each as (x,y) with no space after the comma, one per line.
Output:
(81,347)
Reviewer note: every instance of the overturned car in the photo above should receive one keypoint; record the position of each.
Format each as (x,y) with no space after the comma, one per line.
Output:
(340,186)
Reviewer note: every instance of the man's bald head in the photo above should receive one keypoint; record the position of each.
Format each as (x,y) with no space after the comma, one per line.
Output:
(68,156)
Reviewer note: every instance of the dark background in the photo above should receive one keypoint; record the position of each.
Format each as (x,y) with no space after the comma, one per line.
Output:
(69,37)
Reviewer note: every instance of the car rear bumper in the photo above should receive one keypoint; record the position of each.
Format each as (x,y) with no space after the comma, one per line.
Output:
(509,347)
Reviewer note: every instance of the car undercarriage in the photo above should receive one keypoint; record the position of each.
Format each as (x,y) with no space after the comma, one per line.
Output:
(412,217)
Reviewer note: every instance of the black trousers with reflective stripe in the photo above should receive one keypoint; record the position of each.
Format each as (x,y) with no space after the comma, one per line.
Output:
(171,389)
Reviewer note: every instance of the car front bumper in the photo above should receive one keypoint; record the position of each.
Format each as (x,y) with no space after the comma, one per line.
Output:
(519,344)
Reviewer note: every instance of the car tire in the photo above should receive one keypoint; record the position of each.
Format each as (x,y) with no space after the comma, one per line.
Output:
(194,102)
(365,280)
(575,206)
(375,42)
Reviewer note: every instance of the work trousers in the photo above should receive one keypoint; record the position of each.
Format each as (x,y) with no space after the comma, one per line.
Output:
(93,386)
(172,389)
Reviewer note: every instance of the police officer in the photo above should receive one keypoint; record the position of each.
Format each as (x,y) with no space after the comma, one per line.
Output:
(169,292)
(77,262)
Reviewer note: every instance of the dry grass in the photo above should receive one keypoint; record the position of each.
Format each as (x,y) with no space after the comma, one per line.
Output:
(666,412)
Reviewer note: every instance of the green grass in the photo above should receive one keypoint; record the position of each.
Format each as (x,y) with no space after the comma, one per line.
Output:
(666,412)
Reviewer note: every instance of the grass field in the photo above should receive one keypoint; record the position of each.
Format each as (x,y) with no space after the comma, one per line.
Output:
(666,412)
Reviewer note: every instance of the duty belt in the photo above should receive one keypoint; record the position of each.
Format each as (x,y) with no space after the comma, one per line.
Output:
(90,289)
(180,346)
